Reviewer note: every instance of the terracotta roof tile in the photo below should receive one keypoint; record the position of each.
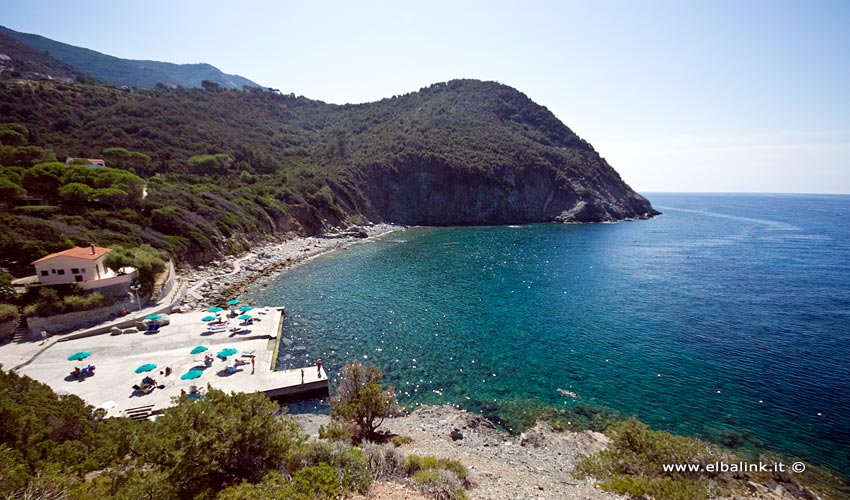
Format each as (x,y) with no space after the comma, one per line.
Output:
(79,253)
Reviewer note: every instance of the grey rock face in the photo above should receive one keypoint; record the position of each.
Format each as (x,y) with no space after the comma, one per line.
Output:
(438,195)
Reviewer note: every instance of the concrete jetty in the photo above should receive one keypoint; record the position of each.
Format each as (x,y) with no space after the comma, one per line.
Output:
(116,358)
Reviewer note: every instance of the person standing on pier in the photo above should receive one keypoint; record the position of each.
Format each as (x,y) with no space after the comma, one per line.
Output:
(319,367)
(302,375)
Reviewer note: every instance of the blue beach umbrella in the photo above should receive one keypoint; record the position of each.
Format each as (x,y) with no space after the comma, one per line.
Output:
(199,349)
(226,352)
(145,368)
(245,317)
(79,355)
(208,318)
(191,375)
(245,308)
(232,302)
(215,309)
(154,316)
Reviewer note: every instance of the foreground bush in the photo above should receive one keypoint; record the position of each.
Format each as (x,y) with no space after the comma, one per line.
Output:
(220,440)
(633,464)
(441,478)
(362,401)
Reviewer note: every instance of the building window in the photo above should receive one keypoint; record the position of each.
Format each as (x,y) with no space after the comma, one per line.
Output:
(53,271)
(45,273)
(74,270)
(60,272)
(78,278)
(83,270)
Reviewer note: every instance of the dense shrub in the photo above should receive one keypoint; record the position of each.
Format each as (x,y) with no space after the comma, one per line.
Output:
(8,312)
(351,468)
(632,464)
(441,478)
(416,463)
(148,261)
(219,441)
(385,462)
(361,399)
(50,302)
(440,484)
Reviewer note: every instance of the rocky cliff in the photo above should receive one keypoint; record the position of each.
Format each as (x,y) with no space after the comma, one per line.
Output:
(434,194)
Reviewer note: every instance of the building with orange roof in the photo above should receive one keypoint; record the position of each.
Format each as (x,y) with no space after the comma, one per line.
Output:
(82,265)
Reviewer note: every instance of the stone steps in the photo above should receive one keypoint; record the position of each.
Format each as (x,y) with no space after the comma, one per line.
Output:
(139,413)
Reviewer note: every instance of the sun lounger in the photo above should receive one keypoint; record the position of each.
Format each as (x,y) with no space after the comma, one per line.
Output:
(218,327)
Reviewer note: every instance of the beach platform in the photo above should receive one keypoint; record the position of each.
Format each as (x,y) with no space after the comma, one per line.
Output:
(116,358)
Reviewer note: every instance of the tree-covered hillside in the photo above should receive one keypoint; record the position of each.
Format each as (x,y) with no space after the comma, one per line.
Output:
(129,72)
(19,60)
(221,169)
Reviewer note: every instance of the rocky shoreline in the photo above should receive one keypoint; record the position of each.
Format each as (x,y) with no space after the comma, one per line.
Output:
(536,464)
(219,281)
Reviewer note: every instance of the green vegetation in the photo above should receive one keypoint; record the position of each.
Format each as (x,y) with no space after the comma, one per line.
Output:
(438,477)
(148,261)
(198,174)
(632,465)
(77,62)
(64,299)
(229,447)
(8,312)
(361,403)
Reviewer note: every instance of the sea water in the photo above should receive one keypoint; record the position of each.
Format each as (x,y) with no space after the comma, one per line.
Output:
(727,318)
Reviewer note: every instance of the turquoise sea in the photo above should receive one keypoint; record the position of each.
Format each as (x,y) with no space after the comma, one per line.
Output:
(728,318)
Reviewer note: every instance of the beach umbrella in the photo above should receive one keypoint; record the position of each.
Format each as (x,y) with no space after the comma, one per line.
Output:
(154,316)
(145,368)
(208,318)
(226,352)
(199,349)
(232,302)
(215,309)
(245,317)
(191,375)
(245,308)
(79,355)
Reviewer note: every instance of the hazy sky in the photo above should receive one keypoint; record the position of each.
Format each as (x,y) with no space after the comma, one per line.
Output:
(714,95)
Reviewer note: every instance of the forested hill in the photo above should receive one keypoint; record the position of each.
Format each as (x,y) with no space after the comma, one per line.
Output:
(19,60)
(129,72)
(224,168)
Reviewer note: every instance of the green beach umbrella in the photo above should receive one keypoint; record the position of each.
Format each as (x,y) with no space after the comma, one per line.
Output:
(154,316)
(145,368)
(232,302)
(226,352)
(245,317)
(245,308)
(199,349)
(191,375)
(79,355)
(215,309)
(208,318)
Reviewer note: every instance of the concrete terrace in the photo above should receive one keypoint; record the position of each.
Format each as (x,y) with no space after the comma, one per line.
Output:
(116,358)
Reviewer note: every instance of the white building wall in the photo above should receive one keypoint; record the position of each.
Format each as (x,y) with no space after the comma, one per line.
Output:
(65,269)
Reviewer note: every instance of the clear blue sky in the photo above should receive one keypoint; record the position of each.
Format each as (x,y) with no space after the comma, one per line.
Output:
(714,95)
